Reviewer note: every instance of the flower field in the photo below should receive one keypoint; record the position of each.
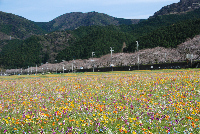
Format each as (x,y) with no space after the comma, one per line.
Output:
(136,102)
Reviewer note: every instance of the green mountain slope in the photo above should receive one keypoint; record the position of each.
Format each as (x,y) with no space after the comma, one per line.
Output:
(99,40)
(166,31)
(148,26)
(169,36)
(181,7)
(71,21)
(18,27)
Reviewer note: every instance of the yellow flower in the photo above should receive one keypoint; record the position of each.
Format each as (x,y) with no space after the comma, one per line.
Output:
(134,132)
(134,119)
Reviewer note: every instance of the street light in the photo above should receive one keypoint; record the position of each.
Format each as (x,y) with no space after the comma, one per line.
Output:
(31,69)
(72,65)
(93,53)
(28,70)
(63,69)
(36,69)
(46,67)
(42,68)
(138,55)
(111,50)
(56,66)
(63,66)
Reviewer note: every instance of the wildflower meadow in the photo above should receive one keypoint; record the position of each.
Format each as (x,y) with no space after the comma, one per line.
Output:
(135,102)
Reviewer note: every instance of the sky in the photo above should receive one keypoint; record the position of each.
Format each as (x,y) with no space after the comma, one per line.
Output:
(47,10)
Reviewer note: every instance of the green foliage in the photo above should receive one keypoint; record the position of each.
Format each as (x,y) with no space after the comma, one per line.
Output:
(71,21)
(165,31)
(146,27)
(17,26)
(17,53)
(169,36)
(97,39)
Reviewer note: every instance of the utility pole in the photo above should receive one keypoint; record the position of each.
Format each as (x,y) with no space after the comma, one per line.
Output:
(46,67)
(72,65)
(63,66)
(28,70)
(56,66)
(111,50)
(63,69)
(93,53)
(138,55)
(36,69)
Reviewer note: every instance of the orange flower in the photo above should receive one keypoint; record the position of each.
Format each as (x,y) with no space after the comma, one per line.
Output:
(120,130)
(193,125)
(115,112)
(190,118)
(15,128)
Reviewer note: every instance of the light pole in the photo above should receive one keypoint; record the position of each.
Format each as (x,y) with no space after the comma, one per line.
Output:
(36,69)
(42,68)
(56,66)
(72,65)
(93,53)
(63,69)
(28,70)
(111,50)
(46,67)
(63,66)
(138,55)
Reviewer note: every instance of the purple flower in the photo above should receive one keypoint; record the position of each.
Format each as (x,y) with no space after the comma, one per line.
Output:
(5,131)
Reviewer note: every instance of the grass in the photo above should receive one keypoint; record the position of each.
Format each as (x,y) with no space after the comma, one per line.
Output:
(159,101)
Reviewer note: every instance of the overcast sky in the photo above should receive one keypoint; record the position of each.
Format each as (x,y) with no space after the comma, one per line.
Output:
(46,10)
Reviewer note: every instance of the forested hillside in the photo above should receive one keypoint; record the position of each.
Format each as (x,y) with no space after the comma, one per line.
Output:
(18,27)
(169,36)
(181,7)
(71,21)
(98,40)
(163,31)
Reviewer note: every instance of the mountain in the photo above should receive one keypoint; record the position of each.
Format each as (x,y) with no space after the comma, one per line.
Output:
(181,7)
(71,21)
(94,32)
(17,27)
